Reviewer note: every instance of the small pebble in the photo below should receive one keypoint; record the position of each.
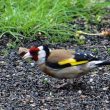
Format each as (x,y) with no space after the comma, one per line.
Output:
(106,101)
(100,68)
(91,87)
(79,91)
(106,73)
(48,98)
(92,75)
(105,88)
(21,63)
(33,104)
(91,80)
(50,93)
(82,96)
(31,101)
(82,37)
(2,62)
(45,80)
(32,64)
(7,76)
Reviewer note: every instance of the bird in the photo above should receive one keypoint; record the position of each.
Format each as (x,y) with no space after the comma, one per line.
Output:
(63,63)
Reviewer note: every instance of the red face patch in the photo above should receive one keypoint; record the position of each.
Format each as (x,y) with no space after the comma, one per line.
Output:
(34,52)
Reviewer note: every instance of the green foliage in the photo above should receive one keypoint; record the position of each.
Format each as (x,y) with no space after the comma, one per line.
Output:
(26,18)
(95,50)
(108,50)
(4,52)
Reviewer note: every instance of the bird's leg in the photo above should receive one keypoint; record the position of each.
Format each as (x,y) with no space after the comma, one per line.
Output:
(66,83)
(77,78)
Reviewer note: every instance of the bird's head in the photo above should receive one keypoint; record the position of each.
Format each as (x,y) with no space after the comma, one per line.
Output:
(37,53)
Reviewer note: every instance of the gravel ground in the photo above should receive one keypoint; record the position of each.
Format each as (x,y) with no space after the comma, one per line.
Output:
(24,87)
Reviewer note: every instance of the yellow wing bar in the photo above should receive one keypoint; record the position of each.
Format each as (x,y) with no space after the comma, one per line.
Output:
(72,62)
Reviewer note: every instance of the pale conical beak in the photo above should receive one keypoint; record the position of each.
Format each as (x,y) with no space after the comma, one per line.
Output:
(27,55)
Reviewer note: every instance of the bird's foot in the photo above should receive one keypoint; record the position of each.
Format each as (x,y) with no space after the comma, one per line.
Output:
(62,86)
(65,84)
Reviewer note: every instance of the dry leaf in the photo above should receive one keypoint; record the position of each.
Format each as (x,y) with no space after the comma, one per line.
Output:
(105,33)
(22,51)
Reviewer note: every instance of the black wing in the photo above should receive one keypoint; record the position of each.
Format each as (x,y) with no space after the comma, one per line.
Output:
(81,56)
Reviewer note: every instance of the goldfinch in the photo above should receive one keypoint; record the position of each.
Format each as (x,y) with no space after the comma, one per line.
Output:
(62,63)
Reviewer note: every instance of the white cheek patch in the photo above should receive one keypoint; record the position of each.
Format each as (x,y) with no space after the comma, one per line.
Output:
(41,54)
(40,47)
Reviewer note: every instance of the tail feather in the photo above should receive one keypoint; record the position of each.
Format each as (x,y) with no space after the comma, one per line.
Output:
(102,63)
